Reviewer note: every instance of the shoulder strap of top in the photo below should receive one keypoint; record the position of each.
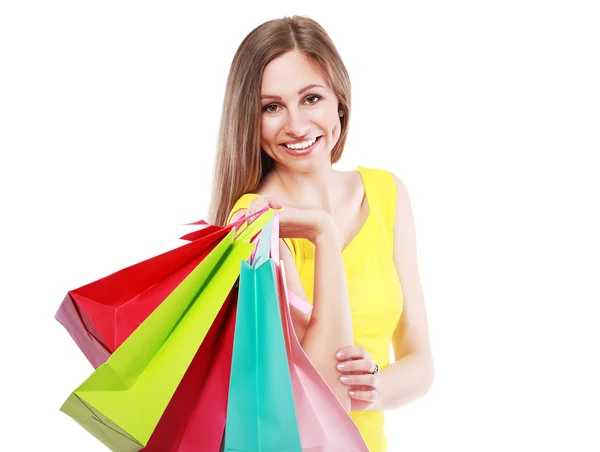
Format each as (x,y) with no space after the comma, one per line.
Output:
(380,188)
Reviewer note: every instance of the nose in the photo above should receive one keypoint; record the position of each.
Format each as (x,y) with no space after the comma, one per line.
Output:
(298,124)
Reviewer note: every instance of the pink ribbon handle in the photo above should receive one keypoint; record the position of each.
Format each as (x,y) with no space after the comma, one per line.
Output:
(275,238)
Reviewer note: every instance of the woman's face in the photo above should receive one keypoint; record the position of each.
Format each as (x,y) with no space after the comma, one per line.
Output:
(293,111)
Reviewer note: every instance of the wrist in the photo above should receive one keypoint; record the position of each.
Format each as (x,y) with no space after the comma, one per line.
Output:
(327,232)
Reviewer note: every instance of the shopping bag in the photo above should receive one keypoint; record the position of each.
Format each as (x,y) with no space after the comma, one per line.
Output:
(100,315)
(324,424)
(122,402)
(260,413)
(195,417)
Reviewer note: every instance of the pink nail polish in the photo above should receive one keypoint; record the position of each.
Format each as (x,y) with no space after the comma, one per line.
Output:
(341,366)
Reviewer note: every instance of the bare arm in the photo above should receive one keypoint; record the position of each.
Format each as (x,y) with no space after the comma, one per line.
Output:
(412,373)
(329,327)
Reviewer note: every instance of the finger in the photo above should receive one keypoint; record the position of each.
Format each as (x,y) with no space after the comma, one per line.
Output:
(360,380)
(353,352)
(262,203)
(369,396)
(255,206)
(356,365)
(361,388)
(273,203)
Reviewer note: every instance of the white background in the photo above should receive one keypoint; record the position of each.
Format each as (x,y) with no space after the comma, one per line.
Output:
(489,112)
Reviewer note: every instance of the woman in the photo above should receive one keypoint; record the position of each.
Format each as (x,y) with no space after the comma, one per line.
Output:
(348,240)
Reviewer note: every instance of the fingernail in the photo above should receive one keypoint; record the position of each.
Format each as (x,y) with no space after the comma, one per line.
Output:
(351,393)
(340,355)
(344,379)
(341,366)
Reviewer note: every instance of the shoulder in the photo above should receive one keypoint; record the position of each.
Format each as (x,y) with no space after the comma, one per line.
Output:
(403,221)
(383,177)
(383,186)
(380,179)
(374,171)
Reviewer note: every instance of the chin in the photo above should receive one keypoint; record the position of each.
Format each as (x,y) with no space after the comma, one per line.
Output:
(307,165)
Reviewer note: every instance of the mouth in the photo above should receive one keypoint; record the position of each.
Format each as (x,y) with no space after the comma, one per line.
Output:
(303,151)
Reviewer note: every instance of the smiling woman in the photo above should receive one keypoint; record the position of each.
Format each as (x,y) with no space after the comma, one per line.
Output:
(306,114)
(347,237)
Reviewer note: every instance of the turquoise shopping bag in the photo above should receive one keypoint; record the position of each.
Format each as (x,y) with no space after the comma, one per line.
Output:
(261,416)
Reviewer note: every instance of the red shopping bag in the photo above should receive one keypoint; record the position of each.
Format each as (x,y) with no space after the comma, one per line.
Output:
(195,417)
(100,315)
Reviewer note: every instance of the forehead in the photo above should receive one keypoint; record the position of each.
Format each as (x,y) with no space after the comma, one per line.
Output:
(286,74)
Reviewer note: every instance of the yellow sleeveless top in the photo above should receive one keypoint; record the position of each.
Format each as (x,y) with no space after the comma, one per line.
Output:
(376,297)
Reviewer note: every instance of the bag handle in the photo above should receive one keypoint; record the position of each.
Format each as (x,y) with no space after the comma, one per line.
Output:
(263,217)
(268,241)
(247,216)
(275,238)
(202,231)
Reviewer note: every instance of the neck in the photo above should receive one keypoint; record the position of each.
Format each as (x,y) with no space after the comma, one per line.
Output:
(318,189)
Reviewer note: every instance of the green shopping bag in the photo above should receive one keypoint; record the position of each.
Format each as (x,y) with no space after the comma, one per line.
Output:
(261,416)
(123,400)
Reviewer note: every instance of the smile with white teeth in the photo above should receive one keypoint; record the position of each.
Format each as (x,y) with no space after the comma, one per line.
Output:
(302,145)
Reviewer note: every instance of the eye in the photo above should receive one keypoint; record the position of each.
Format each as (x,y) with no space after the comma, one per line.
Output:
(266,108)
(316,97)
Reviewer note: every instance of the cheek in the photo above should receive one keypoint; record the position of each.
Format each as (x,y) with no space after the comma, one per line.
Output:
(268,129)
(268,133)
(333,125)
(331,120)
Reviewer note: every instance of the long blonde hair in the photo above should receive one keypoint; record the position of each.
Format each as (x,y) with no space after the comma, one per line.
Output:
(240,163)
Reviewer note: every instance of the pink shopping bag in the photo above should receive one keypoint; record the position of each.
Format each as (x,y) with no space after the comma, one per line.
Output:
(324,424)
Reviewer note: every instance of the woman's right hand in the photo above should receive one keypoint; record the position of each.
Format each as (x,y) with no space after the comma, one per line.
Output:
(294,223)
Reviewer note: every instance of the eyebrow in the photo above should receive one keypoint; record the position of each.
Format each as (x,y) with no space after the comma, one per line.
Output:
(306,88)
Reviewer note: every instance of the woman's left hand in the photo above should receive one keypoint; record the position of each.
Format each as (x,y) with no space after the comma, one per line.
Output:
(357,369)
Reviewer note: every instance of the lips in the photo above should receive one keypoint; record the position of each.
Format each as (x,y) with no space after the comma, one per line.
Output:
(298,142)
(301,152)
